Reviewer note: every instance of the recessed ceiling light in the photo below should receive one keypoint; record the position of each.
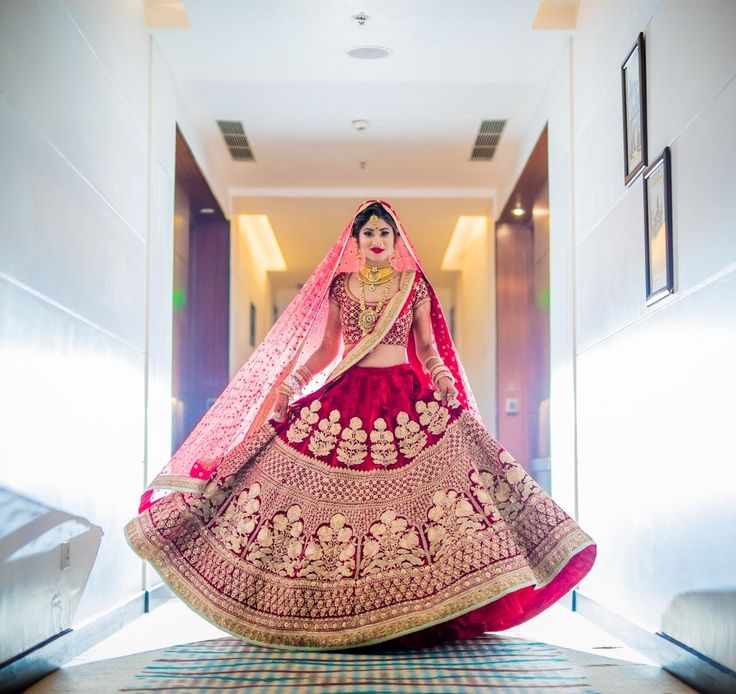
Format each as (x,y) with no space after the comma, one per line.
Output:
(368,52)
(518,209)
(207,210)
(360,124)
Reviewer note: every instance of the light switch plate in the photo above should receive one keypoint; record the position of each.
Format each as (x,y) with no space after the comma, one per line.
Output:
(512,406)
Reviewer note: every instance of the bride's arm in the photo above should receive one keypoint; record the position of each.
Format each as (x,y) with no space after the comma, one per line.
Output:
(425,347)
(423,336)
(330,345)
(319,359)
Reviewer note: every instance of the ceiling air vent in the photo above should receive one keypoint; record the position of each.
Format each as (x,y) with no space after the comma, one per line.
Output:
(487,140)
(235,139)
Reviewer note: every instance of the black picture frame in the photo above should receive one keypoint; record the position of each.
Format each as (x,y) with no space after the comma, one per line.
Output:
(634,110)
(658,251)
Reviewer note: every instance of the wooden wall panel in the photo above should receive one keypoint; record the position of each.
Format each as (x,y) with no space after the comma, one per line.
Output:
(513,349)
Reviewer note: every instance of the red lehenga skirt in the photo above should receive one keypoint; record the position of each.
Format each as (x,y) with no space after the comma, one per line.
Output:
(374,512)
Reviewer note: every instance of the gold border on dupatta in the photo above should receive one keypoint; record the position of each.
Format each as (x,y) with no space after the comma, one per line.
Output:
(383,325)
(178,483)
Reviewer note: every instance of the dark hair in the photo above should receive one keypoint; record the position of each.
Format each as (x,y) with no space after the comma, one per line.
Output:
(365,215)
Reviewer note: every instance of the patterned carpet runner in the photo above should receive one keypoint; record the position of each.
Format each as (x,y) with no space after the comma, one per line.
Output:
(488,663)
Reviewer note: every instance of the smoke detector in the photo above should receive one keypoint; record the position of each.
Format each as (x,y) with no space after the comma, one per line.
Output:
(360,124)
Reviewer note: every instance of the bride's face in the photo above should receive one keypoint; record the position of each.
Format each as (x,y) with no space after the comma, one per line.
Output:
(376,242)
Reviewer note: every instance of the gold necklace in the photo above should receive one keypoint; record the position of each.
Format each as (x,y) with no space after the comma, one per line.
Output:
(369,314)
(376,275)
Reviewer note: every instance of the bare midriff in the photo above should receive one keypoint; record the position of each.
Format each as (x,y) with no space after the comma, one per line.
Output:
(383,355)
(380,355)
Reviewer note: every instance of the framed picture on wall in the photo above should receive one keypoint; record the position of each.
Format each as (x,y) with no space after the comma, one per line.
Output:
(658,228)
(634,101)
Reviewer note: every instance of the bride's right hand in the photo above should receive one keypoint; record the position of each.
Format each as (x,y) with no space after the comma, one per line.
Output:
(279,408)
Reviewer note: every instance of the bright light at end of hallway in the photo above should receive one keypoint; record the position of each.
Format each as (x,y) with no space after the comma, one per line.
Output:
(262,241)
(166,14)
(468,230)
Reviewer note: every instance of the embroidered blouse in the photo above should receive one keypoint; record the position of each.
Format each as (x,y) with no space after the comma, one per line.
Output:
(350,309)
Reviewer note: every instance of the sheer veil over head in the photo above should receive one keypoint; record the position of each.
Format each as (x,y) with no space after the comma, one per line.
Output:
(247,401)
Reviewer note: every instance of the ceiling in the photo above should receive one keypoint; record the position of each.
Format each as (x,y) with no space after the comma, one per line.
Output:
(279,66)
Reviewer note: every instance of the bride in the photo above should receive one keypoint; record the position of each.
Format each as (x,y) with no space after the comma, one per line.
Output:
(342,491)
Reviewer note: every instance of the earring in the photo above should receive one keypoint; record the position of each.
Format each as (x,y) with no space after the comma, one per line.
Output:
(392,260)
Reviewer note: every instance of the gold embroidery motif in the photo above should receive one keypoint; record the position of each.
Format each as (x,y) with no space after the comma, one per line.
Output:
(278,545)
(411,438)
(513,491)
(205,504)
(432,415)
(300,428)
(352,448)
(506,458)
(391,544)
(452,523)
(481,483)
(237,524)
(330,554)
(452,401)
(383,448)
(324,439)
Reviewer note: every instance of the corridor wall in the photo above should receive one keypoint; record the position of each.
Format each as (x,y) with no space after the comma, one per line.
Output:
(641,396)
(88,111)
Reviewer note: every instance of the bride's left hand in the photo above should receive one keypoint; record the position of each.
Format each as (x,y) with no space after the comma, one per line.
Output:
(447,388)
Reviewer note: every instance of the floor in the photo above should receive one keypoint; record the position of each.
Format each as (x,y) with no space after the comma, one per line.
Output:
(609,665)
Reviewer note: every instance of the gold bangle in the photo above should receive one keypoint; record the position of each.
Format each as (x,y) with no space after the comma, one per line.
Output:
(303,374)
(283,389)
(436,368)
(442,372)
(300,378)
(429,359)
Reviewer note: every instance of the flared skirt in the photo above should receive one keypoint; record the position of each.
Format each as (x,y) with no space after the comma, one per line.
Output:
(375,512)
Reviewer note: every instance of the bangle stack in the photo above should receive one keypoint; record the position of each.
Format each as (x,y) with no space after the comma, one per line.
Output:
(294,382)
(439,370)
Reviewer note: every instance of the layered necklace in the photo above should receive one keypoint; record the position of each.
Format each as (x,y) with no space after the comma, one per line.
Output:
(373,277)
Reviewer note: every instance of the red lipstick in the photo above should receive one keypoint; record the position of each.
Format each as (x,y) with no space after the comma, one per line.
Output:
(375,249)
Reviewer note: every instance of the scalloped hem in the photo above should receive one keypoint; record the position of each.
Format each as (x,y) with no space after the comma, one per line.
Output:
(463,616)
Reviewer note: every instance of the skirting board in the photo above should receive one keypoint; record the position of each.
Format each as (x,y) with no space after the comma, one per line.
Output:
(21,672)
(694,668)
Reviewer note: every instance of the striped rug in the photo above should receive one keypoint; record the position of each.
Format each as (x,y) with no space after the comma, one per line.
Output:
(490,662)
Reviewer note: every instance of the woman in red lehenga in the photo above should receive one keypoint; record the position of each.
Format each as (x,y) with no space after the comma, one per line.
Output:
(375,507)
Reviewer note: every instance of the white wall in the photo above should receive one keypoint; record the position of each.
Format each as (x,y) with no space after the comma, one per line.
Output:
(88,110)
(555,110)
(74,136)
(653,397)
(249,282)
(655,384)
(475,301)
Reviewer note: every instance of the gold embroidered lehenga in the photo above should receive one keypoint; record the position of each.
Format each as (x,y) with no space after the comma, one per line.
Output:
(375,512)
